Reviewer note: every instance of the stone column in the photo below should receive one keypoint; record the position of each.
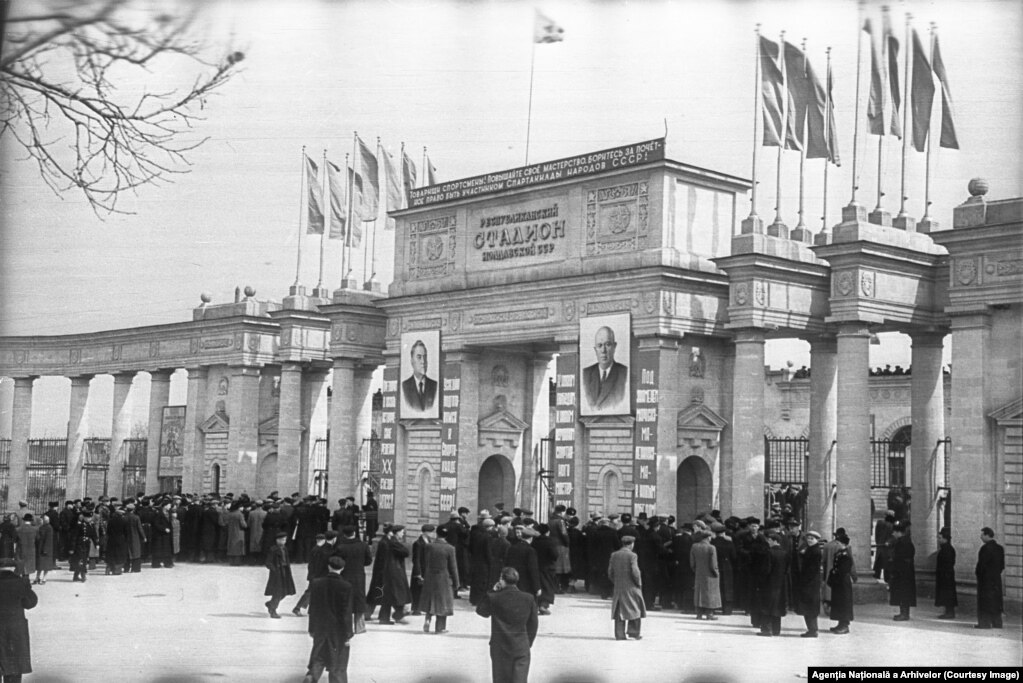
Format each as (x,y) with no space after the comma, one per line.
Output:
(120,426)
(746,469)
(820,474)
(537,415)
(467,469)
(289,433)
(852,459)
(77,431)
(193,461)
(21,430)
(159,396)
(351,407)
(312,394)
(927,455)
(974,468)
(243,431)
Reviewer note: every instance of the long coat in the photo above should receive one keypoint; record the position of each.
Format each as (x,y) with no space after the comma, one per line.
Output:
(840,582)
(280,582)
(559,538)
(235,522)
(627,598)
(357,557)
(577,553)
(902,574)
(255,523)
(522,557)
(497,550)
(726,567)
(330,608)
(46,560)
(513,623)
(394,588)
(806,581)
(945,594)
(479,565)
(27,535)
(772,591)
(440,573)
(163,541)
(990,564)
(117,539)
(703,561)
(16,596)
(136,536)
(831,550)
(546,560)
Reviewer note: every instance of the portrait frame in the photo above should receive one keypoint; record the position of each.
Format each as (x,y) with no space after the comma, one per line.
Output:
(615,400)
(411,406)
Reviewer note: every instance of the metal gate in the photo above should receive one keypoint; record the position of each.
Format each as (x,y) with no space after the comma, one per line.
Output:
(95,466)
(5,469)
(543,494)
(318,483)
(133,476)
(785,484)
(46,472)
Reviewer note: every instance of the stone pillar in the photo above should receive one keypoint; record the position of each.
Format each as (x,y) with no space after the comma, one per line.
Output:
(852,459)
(658,383)
(120,426)
(974,468)
(537,415)
(289,433)
(465,366)
(351,407)
(927,454)
(159,397)
(312,395)
(193,461)
(77,432)
(820,474)
(243,431)
(21,430)
(746,466)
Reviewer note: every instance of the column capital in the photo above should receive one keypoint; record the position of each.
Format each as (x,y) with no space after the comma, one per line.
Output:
(461,355)
(243,370)
(26,381)
(853,329)
(931,338)
(568,346)
(656,341)
(161,375)
(197,372)
(126,376)
(971,321)
(79,380)
(291,366)
(749,335)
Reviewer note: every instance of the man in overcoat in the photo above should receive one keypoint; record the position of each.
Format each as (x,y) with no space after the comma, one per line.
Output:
(330,624)
(357,557)
(725,549)
(598,553)
(279,583)
(990,565)
(315,569)
(902,573)
(703,562)
(627,606)
(771,586)
(945,594)
(394,588)
(16,596)
(479,559)
(426,534)
(806,582)
(440,576)
(521,557)
(514,621)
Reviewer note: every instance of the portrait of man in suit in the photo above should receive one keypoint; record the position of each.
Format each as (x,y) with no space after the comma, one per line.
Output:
(418,390)
(605,383)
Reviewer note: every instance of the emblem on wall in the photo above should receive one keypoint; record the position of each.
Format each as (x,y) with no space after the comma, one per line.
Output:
(154,349)
(741,293)
(867,284)
(431,247)
(966,271)
(568,310)
(616,218)
(844,282)
(760,293)
(499,376)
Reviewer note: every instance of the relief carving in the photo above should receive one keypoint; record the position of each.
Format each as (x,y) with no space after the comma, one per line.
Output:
(568,310)
(431,247)
(741,293)
(154,349)
(966,271)
(499,376)
(760,293)
(867,284)
(844,283)
(616,218)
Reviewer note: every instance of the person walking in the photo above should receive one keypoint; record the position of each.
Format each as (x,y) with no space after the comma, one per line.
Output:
(394,588)
(46,559)
(546,561)
(840,579)
(440,576)
(703,561)
(627,606)
(990,565)
(514,621)
(945,594)
(902,573)
(426,534)
(357,557)
(279,583)
(82,540)
(16,596)
(806,582)
(330,624)
(316,568)
(26,553)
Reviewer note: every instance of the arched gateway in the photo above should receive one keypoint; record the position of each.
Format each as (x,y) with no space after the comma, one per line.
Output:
(695,488)
(497,483)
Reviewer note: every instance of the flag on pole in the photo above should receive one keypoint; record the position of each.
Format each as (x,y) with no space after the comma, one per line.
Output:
(394,199)
(546,30)
(832,134)
(370,185)
(355,180)
(807,103)
(922,95)
(338,203)
(431,172)
(880,100)
(772,84)
(314,222)
(948,126)
(893,78)
(408,173)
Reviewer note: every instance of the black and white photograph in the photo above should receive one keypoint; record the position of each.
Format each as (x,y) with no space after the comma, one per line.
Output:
(604,348)
(420,372)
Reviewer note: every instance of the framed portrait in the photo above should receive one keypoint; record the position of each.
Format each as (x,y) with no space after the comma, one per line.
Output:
(604,348)
(172,432)
(420,380)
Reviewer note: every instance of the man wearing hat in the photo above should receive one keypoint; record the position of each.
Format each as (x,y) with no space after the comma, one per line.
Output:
(479,559)
(317,568)
(772,590)
(831,549)
(514,622)
(522,557)
(598,553)
(394,588)
(357,557)
(806,581)
(16,596)
(330,624)
(627,606)
(440,575)
(990,565)
(279,583)
(725,549)
(418,551)
(945,594)
(902,583)
(703,561)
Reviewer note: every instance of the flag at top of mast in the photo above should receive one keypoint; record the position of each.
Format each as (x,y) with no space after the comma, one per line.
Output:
(546,30)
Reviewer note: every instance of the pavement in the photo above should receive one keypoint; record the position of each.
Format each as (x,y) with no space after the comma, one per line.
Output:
(204,623)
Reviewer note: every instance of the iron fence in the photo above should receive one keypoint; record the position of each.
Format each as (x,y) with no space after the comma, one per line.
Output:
(785,460)
(133,474)
(888,463)
(318,475)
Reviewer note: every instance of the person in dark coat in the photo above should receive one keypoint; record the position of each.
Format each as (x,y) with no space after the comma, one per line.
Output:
(46,547)
(16,596)
(370,513)
(357,557)
(902,573)
(479,560)
(68,517)
(273,524)
(882,535)
(771,586)
(330,624)
(315,569)
(577,554)
(840,579)
(136,539)
(393,587)
(547,553)
(627,606)
(209,533)
(440,576)
(685,578)
(806,582)
(990,565)
(162,547)
(703,561)
(726,565)
(605,543)
(279,583)
(497,548)
(945,594)
(83,538)
(514,622)
(117,543)
(418,561)
(522,558)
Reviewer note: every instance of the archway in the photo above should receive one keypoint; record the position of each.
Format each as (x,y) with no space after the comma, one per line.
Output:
(694,486)
(215,478)
(266,475)
(497,483)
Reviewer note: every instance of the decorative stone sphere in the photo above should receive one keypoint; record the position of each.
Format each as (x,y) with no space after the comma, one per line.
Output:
(250,292)
(205,297)
(978,187)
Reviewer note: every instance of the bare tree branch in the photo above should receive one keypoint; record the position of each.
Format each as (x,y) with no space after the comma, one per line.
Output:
(60,100)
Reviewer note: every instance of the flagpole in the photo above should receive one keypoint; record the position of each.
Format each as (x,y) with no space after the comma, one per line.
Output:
(301,210)
(885,126)
(856,120)
(905,113)
(827,139)
(757,106)
(326,219)
(425,174)
(927,172)
(529,115)
(778,223)
(373,259)
(800,225)
(347,246)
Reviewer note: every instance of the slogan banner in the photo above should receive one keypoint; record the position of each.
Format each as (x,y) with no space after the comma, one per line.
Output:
(616,158)
(564,428)
(388,445)
(644,472)
(449,439)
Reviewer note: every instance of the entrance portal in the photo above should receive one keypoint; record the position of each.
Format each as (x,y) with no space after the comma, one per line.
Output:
(695,489)
(497,483)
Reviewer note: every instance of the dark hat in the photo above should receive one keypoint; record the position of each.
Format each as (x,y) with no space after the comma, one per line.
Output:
(336,562)
(559,508)
(594,515)
(842,538)
(429,527)
(753,520)
(571,512)
(527,513)
(321,537)
(463,510)
(330,535)
(641,515)
(348,529)
(626,518)
(945,533)
(626,540)
(281,534)
(840,531)
(543,529)
(988,531)
(398,527)
(442,531)
(499,506)
(718,527)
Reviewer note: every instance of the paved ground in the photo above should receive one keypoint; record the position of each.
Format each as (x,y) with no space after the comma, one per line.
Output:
(200,623)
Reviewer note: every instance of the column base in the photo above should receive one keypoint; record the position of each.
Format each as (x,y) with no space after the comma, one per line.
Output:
(904,222)
(880,217)
(928,225)
(854,213)
(752,224)
(296,290)
(778,229)
(372,285)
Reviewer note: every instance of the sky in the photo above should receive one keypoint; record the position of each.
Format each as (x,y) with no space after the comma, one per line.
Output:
(455,77)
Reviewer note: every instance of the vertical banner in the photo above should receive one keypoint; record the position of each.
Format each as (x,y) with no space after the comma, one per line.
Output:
(420,389)
(388,445)
(644,472)
(565,417)
(604,347)
(172,436)
(449,439)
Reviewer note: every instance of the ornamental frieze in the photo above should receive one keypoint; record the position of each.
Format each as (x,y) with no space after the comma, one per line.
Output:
(431,247)
(612,306)
(519,315)
(424,324)
(1009,267)
(617,218)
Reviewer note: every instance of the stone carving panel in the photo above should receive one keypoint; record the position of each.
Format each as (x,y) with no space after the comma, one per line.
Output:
(867,283)
(742,294)
(568,310)
(845,282)
(431,248)
(617,218)
(966,271)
